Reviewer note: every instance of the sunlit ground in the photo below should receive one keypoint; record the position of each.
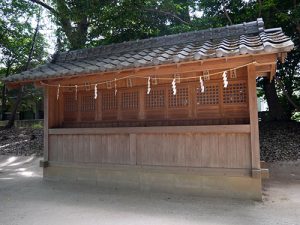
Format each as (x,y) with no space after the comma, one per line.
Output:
(18,166)
(26,199)
(13,144)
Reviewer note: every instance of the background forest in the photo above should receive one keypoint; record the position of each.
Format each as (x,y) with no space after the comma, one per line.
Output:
(25,26)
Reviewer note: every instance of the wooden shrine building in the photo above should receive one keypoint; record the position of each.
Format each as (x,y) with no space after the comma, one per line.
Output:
(175,113)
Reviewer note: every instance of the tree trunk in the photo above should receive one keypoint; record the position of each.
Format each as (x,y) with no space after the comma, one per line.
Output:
(20,93)
(3,100)
(288,93)
(3,94)
(226,13)
(276,111)
(259,8)
(12,118)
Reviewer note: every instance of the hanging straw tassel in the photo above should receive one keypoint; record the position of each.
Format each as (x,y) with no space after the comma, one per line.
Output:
(116,87)
(149,87)
(96,92)
(76,92)
(57,93)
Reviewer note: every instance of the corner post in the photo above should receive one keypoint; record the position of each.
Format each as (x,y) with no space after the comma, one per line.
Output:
(46,124)
(253,112)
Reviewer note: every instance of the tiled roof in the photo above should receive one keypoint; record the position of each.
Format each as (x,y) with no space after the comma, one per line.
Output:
(241,39)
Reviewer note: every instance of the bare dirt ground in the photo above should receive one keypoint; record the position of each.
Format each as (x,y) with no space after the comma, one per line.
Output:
(25,199)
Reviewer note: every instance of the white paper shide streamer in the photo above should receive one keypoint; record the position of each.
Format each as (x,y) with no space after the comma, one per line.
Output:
(116,87)
(225,81)
(76,91)
(57,94)
(96,92)
(174,86)
(149,87)
(201,84)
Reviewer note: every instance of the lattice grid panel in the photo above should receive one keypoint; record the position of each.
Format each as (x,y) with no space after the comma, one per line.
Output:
(210,96)
(235,93)
(181,99)
(130,100)
(70,104)
(109,100)
(156,99)
(87,103)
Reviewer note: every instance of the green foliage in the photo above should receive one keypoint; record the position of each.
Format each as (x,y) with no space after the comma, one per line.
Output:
(296,116)
(16,32)
(88,23)
(38,125)
(17,24)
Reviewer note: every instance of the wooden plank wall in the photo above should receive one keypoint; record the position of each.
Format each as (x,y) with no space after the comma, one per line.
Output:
(205,149)
(214,150)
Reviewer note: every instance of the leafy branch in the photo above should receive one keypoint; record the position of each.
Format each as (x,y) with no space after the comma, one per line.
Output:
(226,13)
(281,85)
(167,14)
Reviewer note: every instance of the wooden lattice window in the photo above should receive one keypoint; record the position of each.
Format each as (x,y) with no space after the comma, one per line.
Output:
(181,99)
(109,100)
(155,99)
(210,96)
(70,104)
(235,93)
(87,103)
(130,100)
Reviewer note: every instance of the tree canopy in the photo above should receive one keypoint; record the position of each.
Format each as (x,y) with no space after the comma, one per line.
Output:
(88,23)
(16,32)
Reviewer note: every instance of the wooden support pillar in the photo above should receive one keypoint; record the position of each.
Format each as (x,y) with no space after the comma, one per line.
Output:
(98,106)
(46,124)
(60,110)
(141,99)
(79,107)
(192,101)
(255,151)
(132,148)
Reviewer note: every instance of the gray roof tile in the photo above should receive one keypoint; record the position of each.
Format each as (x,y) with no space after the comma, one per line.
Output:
(246,38)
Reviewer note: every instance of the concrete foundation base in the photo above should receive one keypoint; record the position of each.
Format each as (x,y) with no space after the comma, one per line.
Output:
(183,182)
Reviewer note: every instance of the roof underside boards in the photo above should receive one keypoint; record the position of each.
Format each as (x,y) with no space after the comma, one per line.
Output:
(241,39)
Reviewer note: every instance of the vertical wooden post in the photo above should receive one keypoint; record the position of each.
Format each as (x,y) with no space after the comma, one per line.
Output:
(255,151)
(221,99)
(141,98)
(79,106)
(132,148)
(46,125)
(119,105)
(60,110)
(98,106)
(166,109)
(192,98)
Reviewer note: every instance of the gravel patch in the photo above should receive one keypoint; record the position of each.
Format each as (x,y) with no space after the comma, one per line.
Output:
(279,141)
(21,141)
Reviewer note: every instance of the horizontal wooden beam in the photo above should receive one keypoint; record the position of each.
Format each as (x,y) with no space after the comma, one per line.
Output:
(214,171)
(154,130)
(263,68)
(163,70)
(214,65)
